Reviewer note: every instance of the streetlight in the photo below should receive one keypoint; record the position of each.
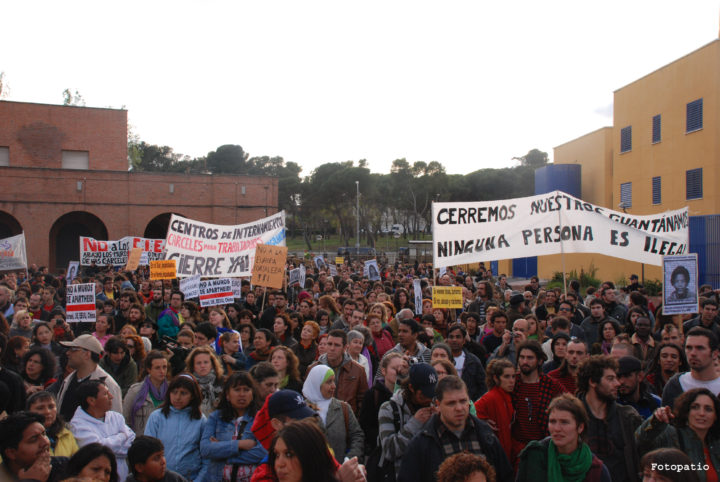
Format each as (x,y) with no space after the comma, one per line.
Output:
(357,207)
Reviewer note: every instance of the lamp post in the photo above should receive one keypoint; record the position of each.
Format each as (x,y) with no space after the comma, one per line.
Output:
(357,207)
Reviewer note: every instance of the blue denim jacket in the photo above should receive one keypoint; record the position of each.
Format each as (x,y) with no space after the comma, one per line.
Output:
(225,450)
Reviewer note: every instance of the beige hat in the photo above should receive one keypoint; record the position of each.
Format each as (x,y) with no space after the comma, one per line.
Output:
(86,342)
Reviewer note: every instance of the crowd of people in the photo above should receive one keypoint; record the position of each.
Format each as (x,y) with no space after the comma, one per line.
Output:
(346,379)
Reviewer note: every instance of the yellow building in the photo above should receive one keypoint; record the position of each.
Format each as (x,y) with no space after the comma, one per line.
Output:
(662,153)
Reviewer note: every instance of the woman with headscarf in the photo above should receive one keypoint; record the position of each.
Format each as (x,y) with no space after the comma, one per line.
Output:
(345,436)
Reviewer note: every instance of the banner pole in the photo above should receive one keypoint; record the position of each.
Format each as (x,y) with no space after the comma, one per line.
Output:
(562,254)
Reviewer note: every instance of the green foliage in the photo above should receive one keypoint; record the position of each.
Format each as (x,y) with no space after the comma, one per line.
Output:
(586,278)
(73,98)
(653,287)
(534,158)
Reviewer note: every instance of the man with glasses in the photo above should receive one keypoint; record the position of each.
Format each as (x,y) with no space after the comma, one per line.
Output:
(83,356)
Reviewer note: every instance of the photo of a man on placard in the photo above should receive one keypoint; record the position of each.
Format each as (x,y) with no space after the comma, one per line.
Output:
(680,284)
(680,281)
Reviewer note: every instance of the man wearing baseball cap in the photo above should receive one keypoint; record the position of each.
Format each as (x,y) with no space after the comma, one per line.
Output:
(633,390)
(83,354)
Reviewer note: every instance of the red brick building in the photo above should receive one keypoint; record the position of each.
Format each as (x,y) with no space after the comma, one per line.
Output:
(64,174)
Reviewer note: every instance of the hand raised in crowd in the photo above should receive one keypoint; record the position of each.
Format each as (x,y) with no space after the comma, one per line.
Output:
(663,414)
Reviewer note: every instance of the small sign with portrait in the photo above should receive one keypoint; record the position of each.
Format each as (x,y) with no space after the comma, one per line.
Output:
(680,284)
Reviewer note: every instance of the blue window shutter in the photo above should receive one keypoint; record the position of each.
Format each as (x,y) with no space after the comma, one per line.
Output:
(656,190)
(626,139)
(626,194)
(694,184)
(656,132)
(694,120)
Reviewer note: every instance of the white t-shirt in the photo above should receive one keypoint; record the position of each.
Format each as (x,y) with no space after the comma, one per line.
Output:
(459,363)
(687,382)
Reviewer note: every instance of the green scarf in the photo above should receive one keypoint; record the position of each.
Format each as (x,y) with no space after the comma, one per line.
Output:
(283,383)
(571,467)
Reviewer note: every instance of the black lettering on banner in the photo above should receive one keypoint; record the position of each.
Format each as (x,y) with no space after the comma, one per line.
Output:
(556,234)
(458,247)
(657,246)
(472,215)
(619,238)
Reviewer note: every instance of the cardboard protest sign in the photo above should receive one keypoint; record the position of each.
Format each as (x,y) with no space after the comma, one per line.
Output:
(218,251)
(116,253)
(162,269)
(470,232)
(446,297)
(215,292)
(72,271)
(12,253)
(269,268)
(333,269)
(417,291)
(134,259)
(339,260)
(680,284)
(190,287)
(80,302)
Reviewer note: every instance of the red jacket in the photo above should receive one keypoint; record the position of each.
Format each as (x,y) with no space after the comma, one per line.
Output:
(497,405)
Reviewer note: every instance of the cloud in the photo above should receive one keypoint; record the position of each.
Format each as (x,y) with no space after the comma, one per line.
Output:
(605,111)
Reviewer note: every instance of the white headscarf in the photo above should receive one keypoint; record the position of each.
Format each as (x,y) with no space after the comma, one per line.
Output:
(311,389)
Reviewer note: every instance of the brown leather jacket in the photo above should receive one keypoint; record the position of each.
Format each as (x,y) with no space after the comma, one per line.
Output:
(350,381)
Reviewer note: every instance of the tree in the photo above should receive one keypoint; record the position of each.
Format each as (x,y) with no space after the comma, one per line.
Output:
(73,98)
(228,159)
(4,87)
(534,158)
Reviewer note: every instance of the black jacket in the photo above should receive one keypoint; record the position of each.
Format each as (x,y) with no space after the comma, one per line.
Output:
(473,374)
(424,454)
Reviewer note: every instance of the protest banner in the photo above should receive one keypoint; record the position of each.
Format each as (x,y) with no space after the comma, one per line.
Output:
(269,267)
(12,253)
(218,251)
(163,269)
(72,271)
(553,223)
(116,253)
(417,291)
(215,292)
(302,276)
(446,297)
(339,260)
(190,287)
(134,259)
(680,284)
(333,269)
(80,303)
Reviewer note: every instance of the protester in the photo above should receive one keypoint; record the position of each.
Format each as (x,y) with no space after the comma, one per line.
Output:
(345,436)
(693,427)
(94,421)
(146,460)
(633,390)
(299,452)
(147,395)
(179,424)
(285,363)
(62,441)
(119,364)
(38,369)
(701,349)
(306,349)
(661,466)
(207,370)
(266,377)
(94,462)
(562,455)
(263,343)
(83,357)
(451,430)
(391,368)
(669,360)
(495,407)
(227,439)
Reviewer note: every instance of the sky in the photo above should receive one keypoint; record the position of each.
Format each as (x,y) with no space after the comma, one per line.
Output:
(470,84)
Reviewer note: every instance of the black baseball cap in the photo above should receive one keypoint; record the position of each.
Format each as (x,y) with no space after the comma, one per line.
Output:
(290,404)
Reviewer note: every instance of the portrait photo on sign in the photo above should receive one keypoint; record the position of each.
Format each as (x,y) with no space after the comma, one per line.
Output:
(680,284)
(319,262)
(371,270)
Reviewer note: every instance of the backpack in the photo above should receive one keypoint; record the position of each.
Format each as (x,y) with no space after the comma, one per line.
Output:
(386,471)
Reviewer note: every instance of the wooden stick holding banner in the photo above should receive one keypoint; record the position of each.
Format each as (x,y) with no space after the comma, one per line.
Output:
(562,255)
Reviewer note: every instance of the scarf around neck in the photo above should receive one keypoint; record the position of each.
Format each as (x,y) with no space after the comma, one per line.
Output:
(147,387)
(568,467)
